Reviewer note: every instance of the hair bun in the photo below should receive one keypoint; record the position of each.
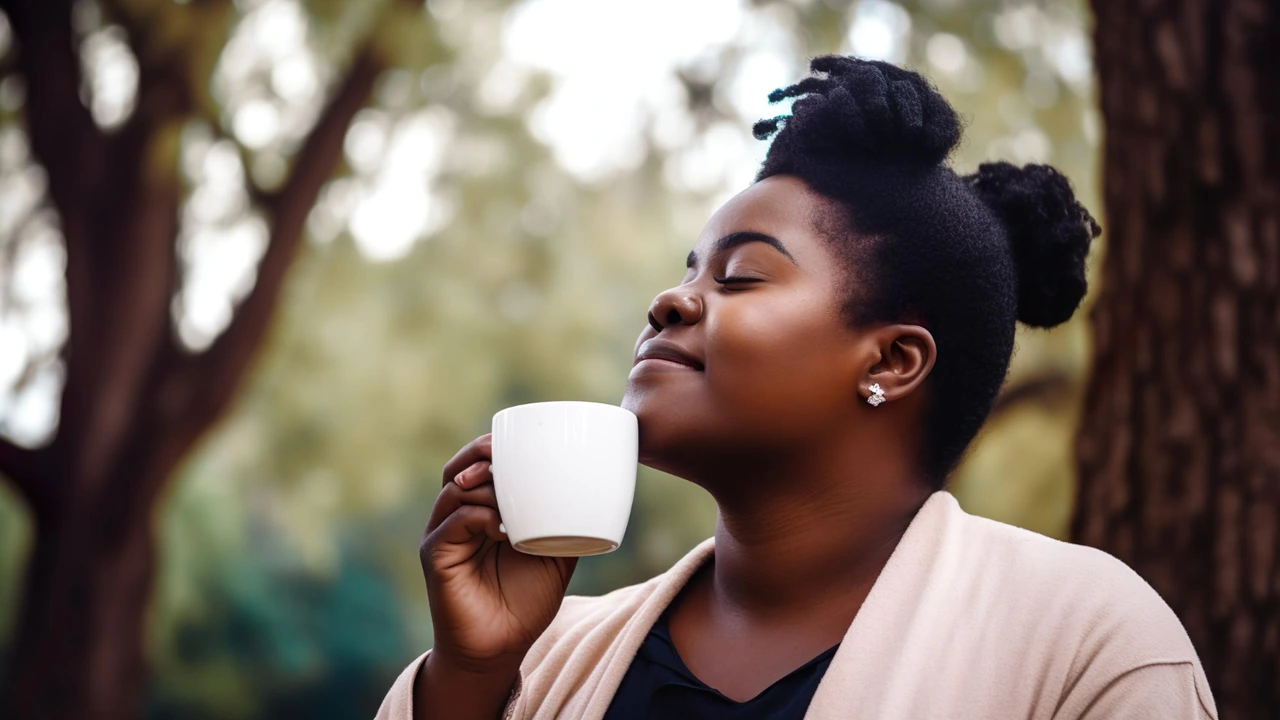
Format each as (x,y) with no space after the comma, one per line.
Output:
(1050,233)
(868,109)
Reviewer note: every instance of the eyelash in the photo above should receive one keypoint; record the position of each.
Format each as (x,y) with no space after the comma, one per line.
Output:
(729,280)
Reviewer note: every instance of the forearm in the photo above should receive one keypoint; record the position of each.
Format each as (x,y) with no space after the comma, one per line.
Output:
(443,691)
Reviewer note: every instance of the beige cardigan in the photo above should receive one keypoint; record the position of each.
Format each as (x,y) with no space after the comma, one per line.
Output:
(970,619)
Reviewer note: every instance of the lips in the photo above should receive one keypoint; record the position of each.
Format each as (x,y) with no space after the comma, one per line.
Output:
(661,350)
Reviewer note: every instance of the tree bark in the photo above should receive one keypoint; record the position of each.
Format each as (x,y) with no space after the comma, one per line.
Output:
(1179,448)
(78,652)
(134,402)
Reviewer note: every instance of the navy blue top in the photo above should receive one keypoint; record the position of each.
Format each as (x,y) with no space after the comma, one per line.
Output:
(658,686)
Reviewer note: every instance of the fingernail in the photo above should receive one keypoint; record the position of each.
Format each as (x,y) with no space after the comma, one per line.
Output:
(458,478)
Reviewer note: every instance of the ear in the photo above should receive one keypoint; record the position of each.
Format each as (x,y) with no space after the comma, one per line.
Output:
(907,354)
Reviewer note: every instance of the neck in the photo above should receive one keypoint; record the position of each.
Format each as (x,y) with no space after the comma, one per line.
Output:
(820,526)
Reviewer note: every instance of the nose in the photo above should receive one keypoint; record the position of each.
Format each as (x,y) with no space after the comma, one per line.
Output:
(676,306)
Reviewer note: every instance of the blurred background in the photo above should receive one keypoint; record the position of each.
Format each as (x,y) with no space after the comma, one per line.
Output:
(478,200)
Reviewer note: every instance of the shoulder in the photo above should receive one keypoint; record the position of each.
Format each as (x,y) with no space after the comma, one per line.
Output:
(1042,561)
(1078,597)
(584,621)
(573,654)
(579,609)
(608,617)
(660,588)
(1097,591)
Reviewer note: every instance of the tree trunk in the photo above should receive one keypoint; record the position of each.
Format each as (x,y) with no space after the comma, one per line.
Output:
(134,401)
(79,649)
(1179,449)
(78,652)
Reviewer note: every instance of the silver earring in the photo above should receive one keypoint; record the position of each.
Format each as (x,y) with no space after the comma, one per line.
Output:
(877,395)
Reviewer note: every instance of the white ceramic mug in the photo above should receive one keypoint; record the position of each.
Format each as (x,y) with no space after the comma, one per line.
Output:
(565,475)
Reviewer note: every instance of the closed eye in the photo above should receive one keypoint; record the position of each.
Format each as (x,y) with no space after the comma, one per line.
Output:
(730,280)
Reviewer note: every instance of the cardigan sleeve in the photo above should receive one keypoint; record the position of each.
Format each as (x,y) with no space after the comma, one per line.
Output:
(1159,691)
(398,704)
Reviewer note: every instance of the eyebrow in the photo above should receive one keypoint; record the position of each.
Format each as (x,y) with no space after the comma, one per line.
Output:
(733,240)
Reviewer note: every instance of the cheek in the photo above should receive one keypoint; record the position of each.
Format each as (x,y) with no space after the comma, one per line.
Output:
(779,363)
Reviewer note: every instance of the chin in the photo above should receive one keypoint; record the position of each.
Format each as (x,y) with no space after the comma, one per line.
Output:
(653,426)
(663,432)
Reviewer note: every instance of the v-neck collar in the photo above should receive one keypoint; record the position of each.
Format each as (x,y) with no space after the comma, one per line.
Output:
(905,572)
(662,631)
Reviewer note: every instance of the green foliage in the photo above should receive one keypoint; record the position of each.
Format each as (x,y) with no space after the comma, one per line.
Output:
(247,629)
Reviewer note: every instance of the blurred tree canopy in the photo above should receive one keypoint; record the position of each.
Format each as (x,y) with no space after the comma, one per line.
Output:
(520,182)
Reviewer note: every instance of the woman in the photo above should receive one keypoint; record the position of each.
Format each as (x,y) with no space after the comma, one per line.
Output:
(838,339)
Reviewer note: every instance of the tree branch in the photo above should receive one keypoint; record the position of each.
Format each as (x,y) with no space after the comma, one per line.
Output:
(63,135)
(213,375)
(64,138)
(115,344)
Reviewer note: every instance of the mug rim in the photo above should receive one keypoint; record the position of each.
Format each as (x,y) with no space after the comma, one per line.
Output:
(604,407)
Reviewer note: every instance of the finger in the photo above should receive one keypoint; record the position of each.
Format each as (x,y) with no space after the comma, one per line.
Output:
(466,524)
(478,473)
(454,496)
(479,449)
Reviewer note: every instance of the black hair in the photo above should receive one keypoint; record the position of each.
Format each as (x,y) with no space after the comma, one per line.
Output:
(963,256)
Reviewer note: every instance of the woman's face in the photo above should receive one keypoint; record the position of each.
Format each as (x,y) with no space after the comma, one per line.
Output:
(763,360)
